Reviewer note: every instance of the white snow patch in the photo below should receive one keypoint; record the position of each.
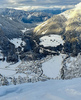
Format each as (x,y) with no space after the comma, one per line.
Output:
(66,14)
(44,32)
(17,42)
(25,29)
(78,6)
(10,18)
(2,15)
(38,30)
(29,16)
(43,24)
(51,68)
(51,40)
(39,23)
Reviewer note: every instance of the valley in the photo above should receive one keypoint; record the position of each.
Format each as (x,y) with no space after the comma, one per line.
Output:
(40,50)
(41,53)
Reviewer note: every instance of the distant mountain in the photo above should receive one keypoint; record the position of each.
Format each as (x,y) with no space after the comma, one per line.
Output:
(33,16)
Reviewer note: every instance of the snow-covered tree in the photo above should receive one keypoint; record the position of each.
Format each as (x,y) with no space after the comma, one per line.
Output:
(19,80)
(4,81)
(13,81)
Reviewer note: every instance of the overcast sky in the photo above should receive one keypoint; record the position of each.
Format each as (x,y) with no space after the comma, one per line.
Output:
(37,3)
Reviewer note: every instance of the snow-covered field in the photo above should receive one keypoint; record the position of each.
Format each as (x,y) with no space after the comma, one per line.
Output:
(49,90)
(26,29)
(17,42)
(8,69)
(51,68)
(51,40)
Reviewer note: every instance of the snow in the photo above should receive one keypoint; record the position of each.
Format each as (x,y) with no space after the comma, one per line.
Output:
(8,69)
(6,72)
(70,62)
(39,23)
(32,75)
(26,29)
(2,15)
(0,24)
(20,74)
(44,32)
(29,16)
(78,6)
(17,42)
(49,90)
(10,18)
(1,55)
(73,62)
(72,67)
(71,13)
(43,24)
(3,64)
(51,40)
(38,30)
(51,68)
(66,14)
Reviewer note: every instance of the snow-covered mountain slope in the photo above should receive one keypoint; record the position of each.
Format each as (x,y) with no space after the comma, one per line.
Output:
(66,24)
(11,27)
(52,25)
(49,90)
(66,20)
(72,67)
